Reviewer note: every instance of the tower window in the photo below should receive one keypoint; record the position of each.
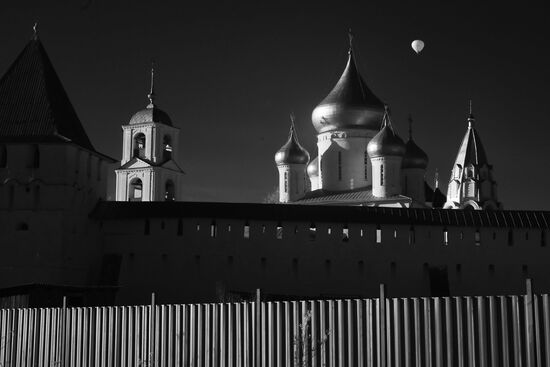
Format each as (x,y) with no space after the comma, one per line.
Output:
(213,229)
(286,181)
(3,156)
(345,234)
(279,231)
(169,191)
(136,190)
(167,148)
(139,145)
(381,175)
(340,166)
(445,236)
(366,161)
(477,237)
(246,231)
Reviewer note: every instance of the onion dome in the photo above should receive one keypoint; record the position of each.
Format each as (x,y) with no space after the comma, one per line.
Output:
(292,152)
(350,104)
(151,113)
(414,157)
(313,168)
(386,142)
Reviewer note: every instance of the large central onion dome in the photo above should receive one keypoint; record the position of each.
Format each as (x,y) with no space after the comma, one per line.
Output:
(350,104)
(414,157)
(386,142)
(291,152)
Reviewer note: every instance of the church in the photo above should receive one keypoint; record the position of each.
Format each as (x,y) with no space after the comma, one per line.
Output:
(358,214)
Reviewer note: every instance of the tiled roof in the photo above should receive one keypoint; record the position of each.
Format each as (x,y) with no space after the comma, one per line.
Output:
(112,210)
(358,196)
(34,106)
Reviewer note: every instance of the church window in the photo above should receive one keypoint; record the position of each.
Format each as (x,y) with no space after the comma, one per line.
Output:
(378,234)
(345,234)
(477,237)
(169,191)
(286,181)
(445,236)
(167,148)
(381,175)
(213,229)
(366,165)
(136,190)
(3,156)
(139,145)
(340,166)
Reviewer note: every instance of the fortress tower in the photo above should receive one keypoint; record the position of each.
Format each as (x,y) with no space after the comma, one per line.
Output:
(149,170)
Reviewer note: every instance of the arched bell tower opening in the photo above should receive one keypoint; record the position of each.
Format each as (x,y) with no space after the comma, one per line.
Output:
(139,145)
(167,148)
(135,191)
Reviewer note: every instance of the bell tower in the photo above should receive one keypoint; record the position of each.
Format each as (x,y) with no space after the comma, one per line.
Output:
(149,170)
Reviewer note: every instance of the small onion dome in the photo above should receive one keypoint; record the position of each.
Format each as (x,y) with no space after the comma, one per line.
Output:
(313,168)
(292,152)
(386,142)
(414,157)
(151,114)
(350,104)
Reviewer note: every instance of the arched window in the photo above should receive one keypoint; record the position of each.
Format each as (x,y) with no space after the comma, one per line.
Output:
(169,191)
(167,148)
(3,156)
(139,145)
(135,190)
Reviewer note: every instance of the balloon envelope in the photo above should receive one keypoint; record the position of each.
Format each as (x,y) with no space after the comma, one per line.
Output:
(417,45)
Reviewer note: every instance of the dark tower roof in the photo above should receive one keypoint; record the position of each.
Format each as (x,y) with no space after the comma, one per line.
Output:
(471,150)
(34,106)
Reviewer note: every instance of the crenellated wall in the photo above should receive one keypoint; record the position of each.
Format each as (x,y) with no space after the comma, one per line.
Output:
(200,259)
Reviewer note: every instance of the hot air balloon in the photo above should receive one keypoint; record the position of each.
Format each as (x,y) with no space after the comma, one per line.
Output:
(417,46)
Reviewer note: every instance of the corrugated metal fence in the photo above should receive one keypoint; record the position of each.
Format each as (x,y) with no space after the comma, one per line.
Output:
(456,331)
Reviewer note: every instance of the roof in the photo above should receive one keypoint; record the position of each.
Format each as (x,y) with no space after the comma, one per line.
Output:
(356,196)
(471,150)
(34,106)
(119,210)
(292,152)
(151,114)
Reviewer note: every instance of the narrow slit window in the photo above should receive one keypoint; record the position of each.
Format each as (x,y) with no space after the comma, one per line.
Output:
(445,236)
(381,175)
(312,232)
(246,231)
(477,238)
(378,234)
(213,229)
(286,181)
(412,236)
(279,232)
(345,234)
(395,233)
(366,165)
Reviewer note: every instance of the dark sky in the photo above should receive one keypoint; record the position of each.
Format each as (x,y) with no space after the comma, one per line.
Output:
(229,74)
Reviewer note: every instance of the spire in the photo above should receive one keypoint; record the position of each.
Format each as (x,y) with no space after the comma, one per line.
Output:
(151,94)
(410,127)
(350,36)
(292,132)
(386,121)
(35,31)
(471,119)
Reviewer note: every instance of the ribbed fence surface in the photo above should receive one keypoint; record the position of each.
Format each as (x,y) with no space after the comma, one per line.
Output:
(420,332)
